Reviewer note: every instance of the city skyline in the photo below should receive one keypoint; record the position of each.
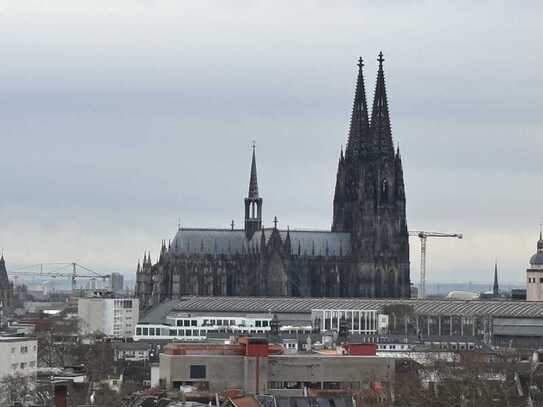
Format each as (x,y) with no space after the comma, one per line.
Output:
(109,139)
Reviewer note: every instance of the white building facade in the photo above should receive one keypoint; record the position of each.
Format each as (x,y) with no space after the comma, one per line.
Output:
(114,317)
(18,355)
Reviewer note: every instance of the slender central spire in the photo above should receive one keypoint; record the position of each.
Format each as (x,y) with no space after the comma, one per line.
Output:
(359,128)
(380,117)
(496,288)
(253,202)
(253,182)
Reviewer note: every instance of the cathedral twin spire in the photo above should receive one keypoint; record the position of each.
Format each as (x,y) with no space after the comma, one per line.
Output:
(370,169)
(369,138)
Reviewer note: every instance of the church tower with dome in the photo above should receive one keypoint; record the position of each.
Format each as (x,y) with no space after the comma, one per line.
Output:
(534,274)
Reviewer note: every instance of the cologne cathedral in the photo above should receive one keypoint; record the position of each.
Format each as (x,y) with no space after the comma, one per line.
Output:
(365,254)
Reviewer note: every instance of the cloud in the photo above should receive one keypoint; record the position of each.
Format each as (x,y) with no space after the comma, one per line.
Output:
(116,118)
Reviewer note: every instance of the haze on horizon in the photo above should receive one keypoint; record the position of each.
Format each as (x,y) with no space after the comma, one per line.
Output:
(117,118)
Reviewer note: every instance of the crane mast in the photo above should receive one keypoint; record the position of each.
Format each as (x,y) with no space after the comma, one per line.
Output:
(423,236)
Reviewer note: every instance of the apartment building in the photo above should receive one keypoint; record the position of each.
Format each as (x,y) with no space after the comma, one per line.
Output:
(114,317)
(18,355)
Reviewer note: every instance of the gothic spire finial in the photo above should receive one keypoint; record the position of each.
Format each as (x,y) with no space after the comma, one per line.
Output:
(381,59)
(275,222)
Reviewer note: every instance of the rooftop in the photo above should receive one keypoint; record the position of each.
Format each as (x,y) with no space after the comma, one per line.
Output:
(300,305)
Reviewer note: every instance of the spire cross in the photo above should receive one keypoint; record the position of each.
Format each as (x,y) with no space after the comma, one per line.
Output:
(381,59)
(232,224)
(360,62)
(254,145)
(275,222)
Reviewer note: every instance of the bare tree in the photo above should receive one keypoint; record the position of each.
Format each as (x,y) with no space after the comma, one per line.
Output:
(470,379)
(16,388)
(57,342)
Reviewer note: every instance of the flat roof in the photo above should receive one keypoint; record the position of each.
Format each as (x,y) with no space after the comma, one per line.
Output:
(304,305)
(16,339)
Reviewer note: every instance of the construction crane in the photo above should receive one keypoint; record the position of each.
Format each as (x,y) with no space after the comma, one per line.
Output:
(422,235)
(60,271)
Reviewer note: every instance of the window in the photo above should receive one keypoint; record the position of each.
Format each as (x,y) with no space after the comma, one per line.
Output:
(197,371)
(232,322)
(145,331)
(541,279)
(173,332)
(12,350)
(138,331)
(24,349)
(23,365)
(127,304)
(219,322)
(193,322)
(32,364)
(181,332)
(194,332)
(151,331)
(186,322)
(265,323)
(258,324)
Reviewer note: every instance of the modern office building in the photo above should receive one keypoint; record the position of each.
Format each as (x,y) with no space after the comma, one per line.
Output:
(114,317)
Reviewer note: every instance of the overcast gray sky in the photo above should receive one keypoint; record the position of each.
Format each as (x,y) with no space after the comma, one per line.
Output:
(116,117)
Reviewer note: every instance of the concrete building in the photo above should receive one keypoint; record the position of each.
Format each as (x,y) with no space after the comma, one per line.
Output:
(18,355)
(117,282)
(254,366)
(114,317)
(534,274)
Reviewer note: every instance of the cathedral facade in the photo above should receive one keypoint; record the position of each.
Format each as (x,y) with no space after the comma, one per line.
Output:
(365,254)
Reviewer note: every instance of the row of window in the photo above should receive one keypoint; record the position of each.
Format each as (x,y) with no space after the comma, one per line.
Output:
(151,331)
(533,279)
(23,349)
(23,365)
(219,322)
(123,303)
